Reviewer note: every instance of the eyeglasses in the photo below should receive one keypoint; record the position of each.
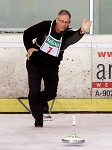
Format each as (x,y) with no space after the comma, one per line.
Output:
(62,21)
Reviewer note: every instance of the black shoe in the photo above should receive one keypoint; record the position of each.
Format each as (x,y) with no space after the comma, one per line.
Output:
(45,108)
(38,123)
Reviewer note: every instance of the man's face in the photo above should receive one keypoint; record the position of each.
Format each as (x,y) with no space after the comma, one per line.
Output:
(62,23)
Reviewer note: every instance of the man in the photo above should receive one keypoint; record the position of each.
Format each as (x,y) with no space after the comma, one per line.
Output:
(45,43)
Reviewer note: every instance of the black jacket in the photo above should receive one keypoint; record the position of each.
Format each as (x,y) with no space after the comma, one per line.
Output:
(39,32)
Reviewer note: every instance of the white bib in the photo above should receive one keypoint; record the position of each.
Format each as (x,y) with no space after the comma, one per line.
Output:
(51,45)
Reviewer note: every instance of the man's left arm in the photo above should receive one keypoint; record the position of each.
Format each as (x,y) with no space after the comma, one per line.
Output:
(78,35)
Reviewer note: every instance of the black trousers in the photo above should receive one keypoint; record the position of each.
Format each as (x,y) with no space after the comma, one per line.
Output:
(36,97)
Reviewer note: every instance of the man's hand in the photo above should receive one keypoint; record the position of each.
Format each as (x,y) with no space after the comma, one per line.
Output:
(30,51)
(85,25)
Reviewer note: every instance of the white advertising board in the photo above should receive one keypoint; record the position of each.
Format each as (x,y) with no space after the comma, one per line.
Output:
(101,70)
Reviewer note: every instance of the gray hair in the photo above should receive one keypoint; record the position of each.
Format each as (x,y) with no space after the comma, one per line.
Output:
(64,12)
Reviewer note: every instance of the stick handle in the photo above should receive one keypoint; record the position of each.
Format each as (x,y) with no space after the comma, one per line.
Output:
(74,124)
(74,121)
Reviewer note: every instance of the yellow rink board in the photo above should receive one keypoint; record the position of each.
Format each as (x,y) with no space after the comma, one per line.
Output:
(60,105)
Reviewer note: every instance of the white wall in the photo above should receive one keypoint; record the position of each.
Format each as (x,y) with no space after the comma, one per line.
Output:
(76,71)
